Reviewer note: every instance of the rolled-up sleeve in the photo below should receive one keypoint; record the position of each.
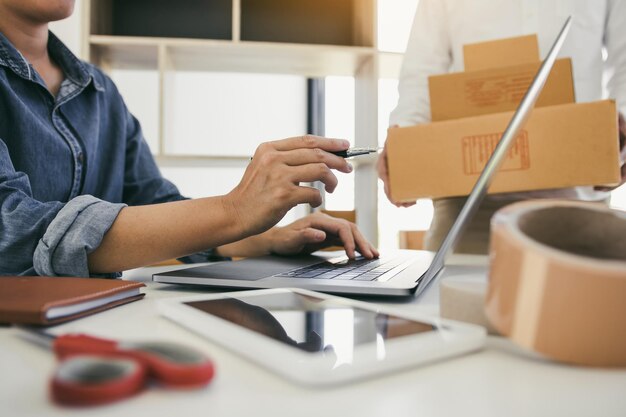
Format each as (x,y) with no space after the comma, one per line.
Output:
(75,232)
(47,237)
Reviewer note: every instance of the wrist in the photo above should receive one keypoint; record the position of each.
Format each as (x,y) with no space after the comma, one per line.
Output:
(234,223)
(269,240)
(255,245)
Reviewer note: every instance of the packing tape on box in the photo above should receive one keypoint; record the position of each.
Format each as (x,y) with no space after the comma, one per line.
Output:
(557,280)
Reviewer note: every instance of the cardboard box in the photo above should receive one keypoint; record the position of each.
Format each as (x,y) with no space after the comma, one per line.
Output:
(473,93)
(501,53)
(497,75)
(559,146)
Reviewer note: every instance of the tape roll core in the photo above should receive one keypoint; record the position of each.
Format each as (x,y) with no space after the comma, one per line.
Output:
(579,231)
(557,280)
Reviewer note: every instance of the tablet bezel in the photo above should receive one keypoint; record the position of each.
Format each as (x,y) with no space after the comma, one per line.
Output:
(450,339)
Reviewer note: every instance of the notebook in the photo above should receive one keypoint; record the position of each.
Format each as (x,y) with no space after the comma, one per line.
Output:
(398,274)
(53,300)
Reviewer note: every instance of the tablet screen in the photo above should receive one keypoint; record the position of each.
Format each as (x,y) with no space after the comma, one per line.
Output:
(311,324)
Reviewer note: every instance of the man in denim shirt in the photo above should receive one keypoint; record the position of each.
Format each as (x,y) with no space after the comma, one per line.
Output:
(79,188)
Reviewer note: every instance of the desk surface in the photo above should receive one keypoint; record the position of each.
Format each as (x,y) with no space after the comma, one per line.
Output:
(500,380)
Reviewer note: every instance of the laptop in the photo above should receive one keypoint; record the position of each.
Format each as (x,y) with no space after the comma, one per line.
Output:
(400,273)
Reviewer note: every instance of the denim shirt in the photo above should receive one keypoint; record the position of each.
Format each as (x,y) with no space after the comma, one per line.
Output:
(68,164)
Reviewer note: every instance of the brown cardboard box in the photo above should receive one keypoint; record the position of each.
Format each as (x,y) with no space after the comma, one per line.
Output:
(560,146)
(497,75)
(465,94)
(501,53)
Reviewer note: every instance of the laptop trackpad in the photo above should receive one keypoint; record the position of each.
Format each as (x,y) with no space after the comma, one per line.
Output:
(251,269)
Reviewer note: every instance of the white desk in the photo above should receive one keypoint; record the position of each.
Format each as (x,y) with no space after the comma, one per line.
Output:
(497,381)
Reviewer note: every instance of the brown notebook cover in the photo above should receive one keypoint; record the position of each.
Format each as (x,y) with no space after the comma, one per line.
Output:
(29,300)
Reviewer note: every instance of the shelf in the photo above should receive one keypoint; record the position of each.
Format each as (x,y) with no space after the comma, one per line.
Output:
(305,60)
(124,53)
(213,55)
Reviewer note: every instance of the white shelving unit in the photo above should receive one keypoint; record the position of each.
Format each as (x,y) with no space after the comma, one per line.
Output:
(308,38)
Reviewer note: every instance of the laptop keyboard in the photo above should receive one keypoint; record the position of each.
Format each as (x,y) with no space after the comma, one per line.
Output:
(359,269)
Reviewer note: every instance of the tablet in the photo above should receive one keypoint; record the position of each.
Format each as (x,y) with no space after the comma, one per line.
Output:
(316,339)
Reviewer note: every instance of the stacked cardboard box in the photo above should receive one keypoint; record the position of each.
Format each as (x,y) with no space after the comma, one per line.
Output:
(563,144)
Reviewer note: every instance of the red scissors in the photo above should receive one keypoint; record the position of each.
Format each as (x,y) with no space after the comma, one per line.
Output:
(97,371)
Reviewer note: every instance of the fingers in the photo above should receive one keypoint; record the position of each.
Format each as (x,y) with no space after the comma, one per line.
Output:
(310,142)
(381,166)
(395,203)
(307,156)
(349,245)
(314,172)
(383,174)
(310,235)
(307,162)
(363,245)
(350,236)
(611,188)
(304,195)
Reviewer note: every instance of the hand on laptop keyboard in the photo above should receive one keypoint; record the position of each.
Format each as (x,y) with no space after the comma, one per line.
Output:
(318,231)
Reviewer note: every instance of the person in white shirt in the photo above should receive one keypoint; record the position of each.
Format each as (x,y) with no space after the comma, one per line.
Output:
(596,43)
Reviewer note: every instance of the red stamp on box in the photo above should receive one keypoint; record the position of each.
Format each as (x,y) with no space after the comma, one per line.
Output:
(477,150)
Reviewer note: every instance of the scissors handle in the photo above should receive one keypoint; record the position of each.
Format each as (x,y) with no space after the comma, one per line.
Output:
(169,363)
(93,380)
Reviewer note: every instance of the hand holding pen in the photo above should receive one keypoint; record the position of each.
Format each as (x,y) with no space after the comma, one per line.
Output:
(272,182)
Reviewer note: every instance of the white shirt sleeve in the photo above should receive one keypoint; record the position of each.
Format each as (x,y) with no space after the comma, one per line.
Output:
(615,42)
(428,52)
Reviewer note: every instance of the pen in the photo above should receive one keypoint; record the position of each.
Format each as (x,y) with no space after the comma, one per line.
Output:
(349,153)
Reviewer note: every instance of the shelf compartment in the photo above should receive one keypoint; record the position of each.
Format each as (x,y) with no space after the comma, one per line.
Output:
(202,19)
(329,22)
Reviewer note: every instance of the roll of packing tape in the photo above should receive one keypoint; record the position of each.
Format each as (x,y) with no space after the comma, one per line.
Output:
(557,280)
(463,299)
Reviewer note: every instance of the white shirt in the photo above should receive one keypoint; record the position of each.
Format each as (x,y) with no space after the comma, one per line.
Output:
(442,27)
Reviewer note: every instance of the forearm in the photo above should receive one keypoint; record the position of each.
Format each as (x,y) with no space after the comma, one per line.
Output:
(143,235)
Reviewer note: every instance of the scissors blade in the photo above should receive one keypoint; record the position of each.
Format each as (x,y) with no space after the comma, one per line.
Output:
(37,336)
